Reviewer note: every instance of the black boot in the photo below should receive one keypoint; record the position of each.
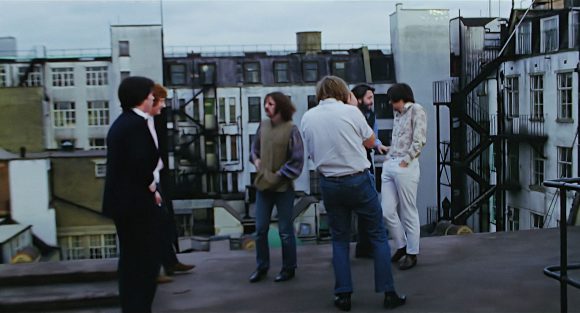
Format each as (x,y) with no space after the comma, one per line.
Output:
(342,301)
(393,300)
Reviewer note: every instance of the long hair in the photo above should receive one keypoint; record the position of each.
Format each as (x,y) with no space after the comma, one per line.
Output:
(360,90)
(401,91)
(332,87)
(283,105)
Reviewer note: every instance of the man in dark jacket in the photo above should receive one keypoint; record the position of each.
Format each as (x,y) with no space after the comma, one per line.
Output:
(131,195)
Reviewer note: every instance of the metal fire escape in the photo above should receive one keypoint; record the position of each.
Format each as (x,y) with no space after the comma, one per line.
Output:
(193,143)
(464,160)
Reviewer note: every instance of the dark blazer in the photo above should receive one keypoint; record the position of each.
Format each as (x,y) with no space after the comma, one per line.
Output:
(131,159)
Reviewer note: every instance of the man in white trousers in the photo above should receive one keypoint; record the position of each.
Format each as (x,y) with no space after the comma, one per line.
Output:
(401,174)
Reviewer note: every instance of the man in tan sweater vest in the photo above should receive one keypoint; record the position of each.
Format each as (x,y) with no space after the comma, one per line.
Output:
(278,154)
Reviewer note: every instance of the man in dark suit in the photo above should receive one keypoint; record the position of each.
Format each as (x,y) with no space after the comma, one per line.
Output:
(131,197)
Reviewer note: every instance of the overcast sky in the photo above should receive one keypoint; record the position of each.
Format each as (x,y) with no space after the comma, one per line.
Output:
(85,23)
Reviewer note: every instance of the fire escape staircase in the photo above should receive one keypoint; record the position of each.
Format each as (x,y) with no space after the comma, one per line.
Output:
(461,102)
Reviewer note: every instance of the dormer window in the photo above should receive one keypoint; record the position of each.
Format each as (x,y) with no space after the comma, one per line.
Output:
(549,39)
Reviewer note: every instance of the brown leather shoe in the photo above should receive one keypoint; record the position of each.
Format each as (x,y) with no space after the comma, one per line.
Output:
(180,267)
(399,254)
(162,279)
(409,262)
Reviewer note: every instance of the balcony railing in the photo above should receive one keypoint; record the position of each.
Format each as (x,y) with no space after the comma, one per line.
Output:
(443,89)
(521,125)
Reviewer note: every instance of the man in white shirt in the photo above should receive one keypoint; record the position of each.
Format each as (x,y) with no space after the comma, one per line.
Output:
(401,174)
(336,135)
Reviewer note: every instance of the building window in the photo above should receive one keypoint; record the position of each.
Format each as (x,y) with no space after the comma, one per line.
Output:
(98,112)
(537,169)
(97,144)
(574,29)
(512,90)
(125,74)
(3,77)
(513,216)
(63,77)
(233,113)
(124,48)
(252,72)
(184,225)
(207,74)
(537,96)
(339,69)
(383,107)
(177,74)
(311,101)
(222,110)
(524,38)
(233,148)
(63,114)
(549,39)
(255,109)
(97,76)
(34,78)
(224,181)
(102,246)
(281,72)
(223,148)
(565,96)
(310,71)
(564,162)
(72,246)
(537,221)
(235,182)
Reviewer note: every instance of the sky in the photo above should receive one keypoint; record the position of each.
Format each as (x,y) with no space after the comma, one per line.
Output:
(75,24)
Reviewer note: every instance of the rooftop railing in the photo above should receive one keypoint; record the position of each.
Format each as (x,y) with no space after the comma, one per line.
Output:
(183,51)
(560,272)
(270,49)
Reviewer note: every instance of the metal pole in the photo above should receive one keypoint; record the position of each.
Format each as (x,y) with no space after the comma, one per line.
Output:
(563,253)
(438,166)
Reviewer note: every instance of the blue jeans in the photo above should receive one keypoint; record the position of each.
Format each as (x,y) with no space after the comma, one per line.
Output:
(284,201)
(342,196)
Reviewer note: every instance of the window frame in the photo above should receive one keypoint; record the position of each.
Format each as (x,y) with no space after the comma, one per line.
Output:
(179,70)
(63,117)
(97,75)
(545,33)
(277,72)
(98,116)
(124,48)
(538,176)
(565,93)
(524,38)
(336,72)
(252,71)
(565,162)
(306,70)
(512,94)
(252,107)
(63,76)
(537,94)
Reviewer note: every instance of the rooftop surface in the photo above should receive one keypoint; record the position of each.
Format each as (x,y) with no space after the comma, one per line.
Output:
(488,272)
